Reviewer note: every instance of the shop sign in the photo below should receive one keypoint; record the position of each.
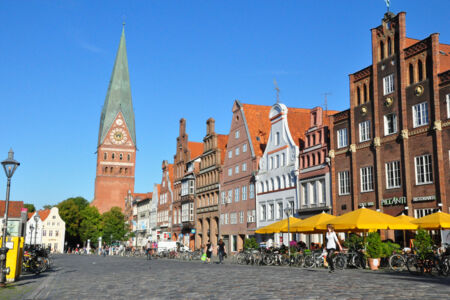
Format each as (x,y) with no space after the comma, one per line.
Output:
(424,198)
(366,204)
(393,201)
(193,231)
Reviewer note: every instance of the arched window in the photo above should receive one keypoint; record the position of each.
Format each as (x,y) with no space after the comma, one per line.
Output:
(272,184)
(358,95)
(283,159)
(261,187)
(286,181)
(277,161)
(105,170)
(113,156)
(120,156)
(389,46)
(105,156)
(111,170)
(278,182)
(381,50)
(120,171)
(128,157)
(365,93)
(420,70)
(277,138)
(271,163)
(411,74)
(126,170)
(267,186)
(318,158)
(313,140)
(307,161)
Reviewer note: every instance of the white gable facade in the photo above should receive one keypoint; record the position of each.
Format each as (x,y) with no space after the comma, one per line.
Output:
(276,182)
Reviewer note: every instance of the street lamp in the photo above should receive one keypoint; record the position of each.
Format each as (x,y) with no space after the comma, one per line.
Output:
(9,165)
(31,236)
(36,219)
(288,212)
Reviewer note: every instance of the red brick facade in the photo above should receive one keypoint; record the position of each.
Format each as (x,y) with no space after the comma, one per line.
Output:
(396,153)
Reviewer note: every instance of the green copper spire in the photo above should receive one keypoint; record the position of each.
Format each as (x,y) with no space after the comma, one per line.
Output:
(118,96)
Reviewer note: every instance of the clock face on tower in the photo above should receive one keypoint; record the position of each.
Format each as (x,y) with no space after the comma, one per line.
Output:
(118,136)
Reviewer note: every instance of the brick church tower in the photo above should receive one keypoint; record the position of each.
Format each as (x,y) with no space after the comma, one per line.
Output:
(116,149)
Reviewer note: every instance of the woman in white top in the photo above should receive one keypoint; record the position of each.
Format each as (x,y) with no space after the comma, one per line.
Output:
(332,240)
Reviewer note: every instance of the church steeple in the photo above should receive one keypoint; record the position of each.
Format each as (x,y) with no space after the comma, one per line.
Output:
(118,96)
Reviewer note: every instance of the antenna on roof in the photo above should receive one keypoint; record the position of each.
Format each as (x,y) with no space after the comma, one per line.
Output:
(326,100)
(277,89)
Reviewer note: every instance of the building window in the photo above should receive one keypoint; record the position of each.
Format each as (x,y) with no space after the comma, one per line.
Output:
(271,211)
(393,174)
(411,74)
(364,131)
(50,233)
(244,193)
(390,124)
(283,159)
(191,212)
(236,194)
(233,218)
(342,140)
(263,212)
(423,169)
(237,151)
(128,157)
(366,179)
(120,156)
(226,218)
(230,154)
(420,114)
(420,70)
(305,194)
(221,219)
(448,105)
(277,138)
(230,171)
(105,156)
(252,191)
(280,210)
(241,217)
(388,84)
(251,216)
(277,161)
(56,232)
(230,196)
(236,169)
(244,148)
(113,156)
(271,163)
(223,197)
(236,134)
(244,167)
(419,213)
(389,46)
(44,232)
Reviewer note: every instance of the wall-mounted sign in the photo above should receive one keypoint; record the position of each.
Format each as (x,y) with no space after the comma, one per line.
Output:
(393,201)
(365,204)
(424,198)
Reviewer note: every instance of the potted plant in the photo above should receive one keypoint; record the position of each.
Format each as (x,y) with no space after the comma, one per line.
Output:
(374,250)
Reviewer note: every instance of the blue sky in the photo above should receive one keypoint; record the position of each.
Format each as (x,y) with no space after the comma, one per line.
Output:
(188,59)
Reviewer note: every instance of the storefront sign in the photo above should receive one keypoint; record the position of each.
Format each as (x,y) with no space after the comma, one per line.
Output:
(393,201)
(366,204)
(424,198)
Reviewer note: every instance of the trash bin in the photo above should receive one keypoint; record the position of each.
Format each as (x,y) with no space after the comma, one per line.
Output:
(14,257)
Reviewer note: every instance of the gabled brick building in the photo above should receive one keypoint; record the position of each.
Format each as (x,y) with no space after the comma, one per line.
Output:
(184,152)
(207,186)
(390,150)
(164,210)
(247,140)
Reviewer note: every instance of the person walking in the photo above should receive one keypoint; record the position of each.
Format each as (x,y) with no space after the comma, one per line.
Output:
(332,240)
(147,251)
(221,250)
(209,249)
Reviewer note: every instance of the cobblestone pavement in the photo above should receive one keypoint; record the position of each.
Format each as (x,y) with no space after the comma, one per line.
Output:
(94,277)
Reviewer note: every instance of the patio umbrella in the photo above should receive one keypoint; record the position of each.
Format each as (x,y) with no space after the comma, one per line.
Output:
(280,226)
(438,220)
(308,225)
(365,219)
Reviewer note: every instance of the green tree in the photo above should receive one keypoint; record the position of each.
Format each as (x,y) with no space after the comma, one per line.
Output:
(70,212)
(423,243)
(90,226)
(251,243)
(47,206)
(113,225)
(30,207)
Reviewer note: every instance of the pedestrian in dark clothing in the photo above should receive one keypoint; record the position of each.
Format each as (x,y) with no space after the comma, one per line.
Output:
(209,250)
(221,250)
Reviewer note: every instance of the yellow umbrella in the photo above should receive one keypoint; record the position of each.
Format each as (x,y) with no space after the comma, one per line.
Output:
(407,219)
(365,219)
(280,226)
(438,220)
(406,222)
(308,225)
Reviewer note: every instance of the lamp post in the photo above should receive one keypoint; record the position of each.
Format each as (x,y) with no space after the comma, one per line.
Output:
(9,165)
(31,234)
(288,212)
(36,219)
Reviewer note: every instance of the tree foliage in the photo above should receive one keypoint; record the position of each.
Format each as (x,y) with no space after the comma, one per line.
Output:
(113,225)
(47,206)
(374,245)
(423,243)
(70,211)
(90,225)
(30,207)
(251,243)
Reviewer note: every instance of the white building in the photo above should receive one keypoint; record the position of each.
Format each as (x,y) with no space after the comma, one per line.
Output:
(153,214)
(277,177)
(34,227)
(53,231)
